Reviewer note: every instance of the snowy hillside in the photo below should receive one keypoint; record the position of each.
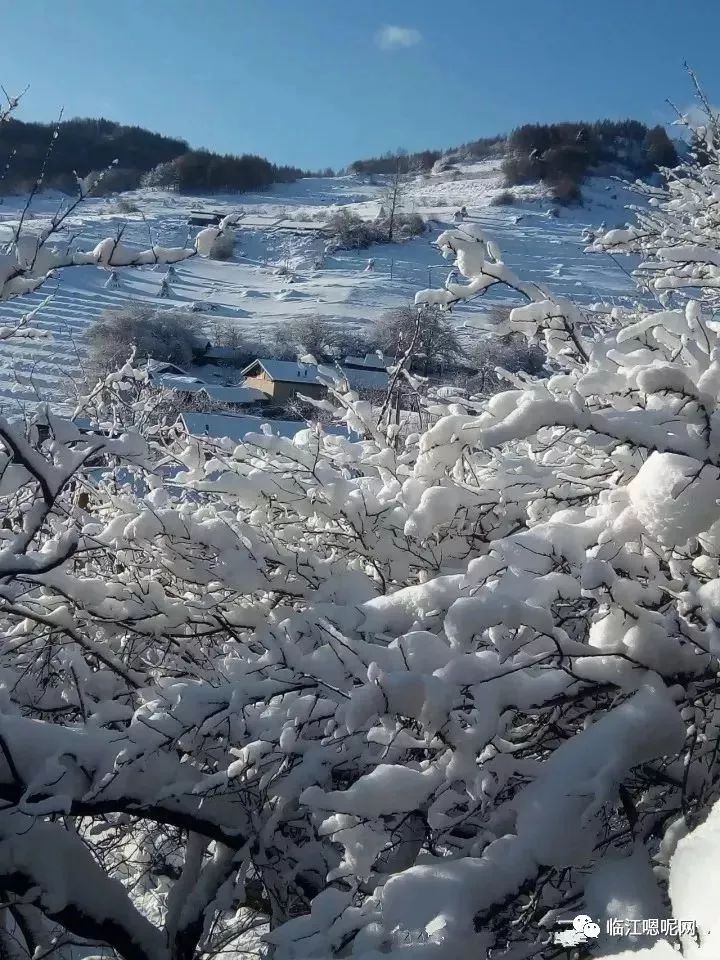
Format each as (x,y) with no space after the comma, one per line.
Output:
(279,269)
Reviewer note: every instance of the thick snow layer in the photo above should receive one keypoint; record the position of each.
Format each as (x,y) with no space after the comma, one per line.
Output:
(625,888)
(694,895)
(675,497)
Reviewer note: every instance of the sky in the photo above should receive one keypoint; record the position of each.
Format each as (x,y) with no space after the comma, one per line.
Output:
(320,83)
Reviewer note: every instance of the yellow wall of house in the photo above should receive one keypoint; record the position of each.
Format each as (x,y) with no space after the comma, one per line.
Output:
(283,392)
(261,383)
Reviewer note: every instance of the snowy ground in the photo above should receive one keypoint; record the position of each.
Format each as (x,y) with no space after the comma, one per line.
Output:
(274,276)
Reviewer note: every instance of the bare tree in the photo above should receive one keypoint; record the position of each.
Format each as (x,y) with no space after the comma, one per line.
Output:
(307,335)
(167,335)
(436,343)
(393,198)
(509,352)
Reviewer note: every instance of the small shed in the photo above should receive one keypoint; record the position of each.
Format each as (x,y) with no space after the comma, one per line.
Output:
(205,218)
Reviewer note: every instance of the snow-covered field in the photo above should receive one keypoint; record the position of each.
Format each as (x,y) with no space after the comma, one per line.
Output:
(276,274)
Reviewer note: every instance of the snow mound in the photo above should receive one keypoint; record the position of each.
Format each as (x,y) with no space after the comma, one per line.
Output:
(675,497)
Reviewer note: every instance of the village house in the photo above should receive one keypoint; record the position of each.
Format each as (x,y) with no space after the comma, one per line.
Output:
(283,380)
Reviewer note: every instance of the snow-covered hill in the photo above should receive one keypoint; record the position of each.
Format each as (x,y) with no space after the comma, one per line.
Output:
(280,271)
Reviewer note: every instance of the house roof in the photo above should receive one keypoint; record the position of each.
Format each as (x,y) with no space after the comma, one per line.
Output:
(288,371)
(285,371)
(371,361)
(221,353)
(220,426)
(163,366)
(234,394)
(183,383)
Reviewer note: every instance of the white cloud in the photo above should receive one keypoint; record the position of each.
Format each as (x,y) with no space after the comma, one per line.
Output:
(393,38)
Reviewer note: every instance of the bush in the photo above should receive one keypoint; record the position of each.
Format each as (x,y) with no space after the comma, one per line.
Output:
(409,225)
(566,190)
(225,333)
(121,205)
(167,335)
(506,198)
(303,335)
(511,352)
(348,231)
(519,170)
(223,245)
(114,180)
(163,176)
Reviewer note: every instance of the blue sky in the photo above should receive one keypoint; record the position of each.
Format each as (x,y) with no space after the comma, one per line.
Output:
(318,82)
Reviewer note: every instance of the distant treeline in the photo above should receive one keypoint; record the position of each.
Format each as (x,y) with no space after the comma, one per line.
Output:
(424,160)
(559,154)
(84,147)
(563,154)
(206,172)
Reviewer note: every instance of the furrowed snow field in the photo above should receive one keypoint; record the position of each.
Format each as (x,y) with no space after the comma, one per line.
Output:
(276,273)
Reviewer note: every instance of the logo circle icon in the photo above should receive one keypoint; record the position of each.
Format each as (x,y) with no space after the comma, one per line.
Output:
(587,926)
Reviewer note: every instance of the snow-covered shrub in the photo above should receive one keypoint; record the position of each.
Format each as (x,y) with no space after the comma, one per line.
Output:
(520,169)
(163,176)
(492,356)
(566,190)
(409,225)
(123,205)
(167,335)
(306,335)
(223,246)
(505,198)
(416,698)
(115,180)
(348,231)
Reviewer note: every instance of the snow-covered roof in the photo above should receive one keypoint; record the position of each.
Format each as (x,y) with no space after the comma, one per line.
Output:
(221,353)
(288,371)
(370,361)
(234,394)
(366,379)
(218,426)
(172,381)
(163,366)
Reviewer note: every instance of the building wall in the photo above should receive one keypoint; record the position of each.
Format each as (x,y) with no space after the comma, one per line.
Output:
(282,392)
(261,383)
